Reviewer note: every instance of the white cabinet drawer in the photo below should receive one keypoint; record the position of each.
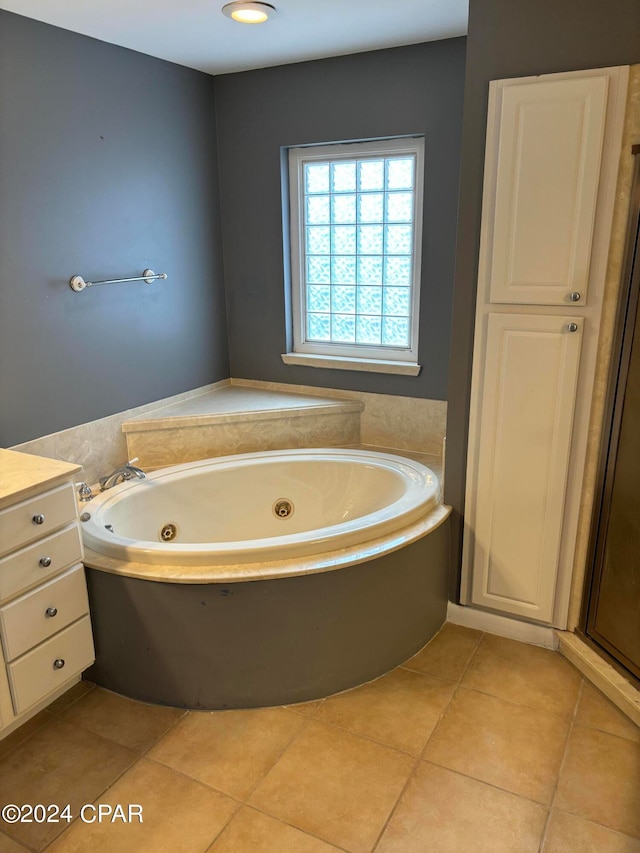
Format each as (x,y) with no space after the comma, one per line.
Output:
(49,665)
(39,561)
(36,517)
(44,611)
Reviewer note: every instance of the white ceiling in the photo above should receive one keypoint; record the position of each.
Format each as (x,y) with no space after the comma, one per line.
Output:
(195,33)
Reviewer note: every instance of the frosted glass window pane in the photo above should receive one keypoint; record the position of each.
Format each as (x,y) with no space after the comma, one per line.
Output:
(343,269)
(371,207)
(368,330)
(343,300)
(343,208)
(317,209)
(318,297)
(318,269)
(343,177)
(395,331)
(369,300)
(398,239)
(318,240)
(399,207)
(400,173)
(343,239)
(396,301)
(370,270)
(371,175)
(343,328)
(370,239)
(318,327)
(317,177)
(397,271)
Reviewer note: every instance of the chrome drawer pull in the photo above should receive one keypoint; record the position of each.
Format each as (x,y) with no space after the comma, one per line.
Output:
(573,327)
(58,663)
(38,519)
(575,296)
(50,612)
(45,562)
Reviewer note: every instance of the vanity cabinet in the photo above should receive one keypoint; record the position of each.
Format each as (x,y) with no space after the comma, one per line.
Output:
(551,163)
(45,629)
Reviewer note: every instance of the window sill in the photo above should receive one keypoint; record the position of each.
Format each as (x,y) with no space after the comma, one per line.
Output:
(369,365)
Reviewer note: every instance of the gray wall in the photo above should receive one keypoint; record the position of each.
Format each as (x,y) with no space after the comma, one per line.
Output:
(416,89)
(107,166)
(512,40)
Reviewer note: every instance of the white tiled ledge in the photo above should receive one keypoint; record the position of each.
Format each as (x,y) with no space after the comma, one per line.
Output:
(368,365)
(233,404)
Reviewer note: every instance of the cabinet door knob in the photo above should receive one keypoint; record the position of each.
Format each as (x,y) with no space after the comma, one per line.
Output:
(575,296)
(573,327)
(45,562)
(38,519)
(50,612)
(58,663)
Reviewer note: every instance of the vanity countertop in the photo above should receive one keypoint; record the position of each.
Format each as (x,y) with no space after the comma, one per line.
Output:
(21,473)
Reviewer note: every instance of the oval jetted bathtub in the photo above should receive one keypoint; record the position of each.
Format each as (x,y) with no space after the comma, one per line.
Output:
(264,578)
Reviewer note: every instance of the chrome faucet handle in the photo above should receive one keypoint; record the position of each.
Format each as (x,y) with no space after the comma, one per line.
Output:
(84,492)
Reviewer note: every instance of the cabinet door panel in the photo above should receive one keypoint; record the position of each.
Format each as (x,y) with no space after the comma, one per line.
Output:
(550,149)
(526,419)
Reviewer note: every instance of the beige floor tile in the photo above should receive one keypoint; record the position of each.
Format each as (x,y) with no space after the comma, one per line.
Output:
(179,815)
(72,695)
(335,785)
(506,745)
(7,845)
(448,654)
(400,709)
(570,834)
(253,832)
(229,750)
(59,764)
(600,780)
(597,712)
(23,732)
(522,673)
(443,812)
(122,720)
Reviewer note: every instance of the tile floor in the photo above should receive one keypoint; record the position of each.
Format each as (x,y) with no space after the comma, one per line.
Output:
(476,744)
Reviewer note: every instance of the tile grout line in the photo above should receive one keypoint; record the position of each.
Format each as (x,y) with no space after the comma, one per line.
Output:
(543,839)
(120,775)
(420,758)
(54,715)
(393,809)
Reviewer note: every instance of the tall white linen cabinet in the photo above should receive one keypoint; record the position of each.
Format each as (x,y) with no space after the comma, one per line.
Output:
(551,163)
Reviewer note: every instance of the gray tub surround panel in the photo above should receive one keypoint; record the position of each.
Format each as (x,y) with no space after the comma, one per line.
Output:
(267,642)
(108,166)
(401,91)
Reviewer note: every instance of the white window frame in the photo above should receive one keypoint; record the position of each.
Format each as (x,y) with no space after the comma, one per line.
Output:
(351,356)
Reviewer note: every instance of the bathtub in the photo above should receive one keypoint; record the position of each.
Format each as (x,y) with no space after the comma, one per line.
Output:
(264,578)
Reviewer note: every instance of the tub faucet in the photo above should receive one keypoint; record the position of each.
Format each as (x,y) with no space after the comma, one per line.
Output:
(125,472)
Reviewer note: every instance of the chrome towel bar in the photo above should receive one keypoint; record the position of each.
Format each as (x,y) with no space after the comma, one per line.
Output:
(78,284)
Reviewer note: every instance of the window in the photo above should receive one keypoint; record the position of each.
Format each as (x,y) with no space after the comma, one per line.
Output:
(355,235)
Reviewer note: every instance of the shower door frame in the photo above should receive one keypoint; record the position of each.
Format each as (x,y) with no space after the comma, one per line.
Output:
(625,329)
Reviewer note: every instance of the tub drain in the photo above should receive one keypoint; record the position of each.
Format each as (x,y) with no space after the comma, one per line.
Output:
(168,532)
(283,508)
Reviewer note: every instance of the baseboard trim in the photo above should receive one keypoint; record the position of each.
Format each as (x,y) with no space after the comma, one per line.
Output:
(503,626)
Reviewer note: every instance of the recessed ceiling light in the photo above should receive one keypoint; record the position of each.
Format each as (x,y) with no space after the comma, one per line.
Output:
(249,13)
